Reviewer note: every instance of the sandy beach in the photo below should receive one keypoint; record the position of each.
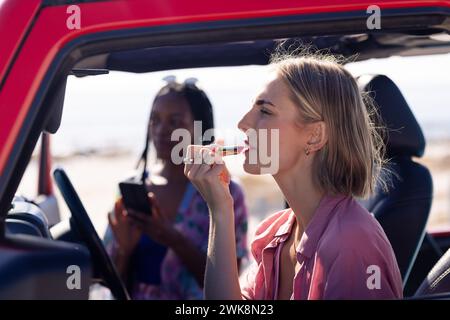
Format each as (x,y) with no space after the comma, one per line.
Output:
(437,160)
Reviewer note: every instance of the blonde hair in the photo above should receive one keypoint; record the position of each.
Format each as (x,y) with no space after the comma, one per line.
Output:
(351,160)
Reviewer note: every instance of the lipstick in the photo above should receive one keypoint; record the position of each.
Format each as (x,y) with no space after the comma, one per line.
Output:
(230,150)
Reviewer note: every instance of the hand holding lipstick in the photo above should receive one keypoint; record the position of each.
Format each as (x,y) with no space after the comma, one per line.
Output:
(205,168)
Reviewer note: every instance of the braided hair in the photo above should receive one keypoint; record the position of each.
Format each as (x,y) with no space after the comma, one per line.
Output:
(199,104)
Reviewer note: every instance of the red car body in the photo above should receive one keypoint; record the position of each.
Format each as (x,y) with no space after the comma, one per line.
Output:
(37,46)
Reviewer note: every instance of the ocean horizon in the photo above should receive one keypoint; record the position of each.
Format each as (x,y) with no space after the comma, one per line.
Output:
(110,112)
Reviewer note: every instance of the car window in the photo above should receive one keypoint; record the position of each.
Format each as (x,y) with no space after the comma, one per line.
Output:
(103,131)
(105,117)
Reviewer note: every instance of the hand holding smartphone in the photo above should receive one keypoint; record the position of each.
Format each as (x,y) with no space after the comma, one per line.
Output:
(135,196)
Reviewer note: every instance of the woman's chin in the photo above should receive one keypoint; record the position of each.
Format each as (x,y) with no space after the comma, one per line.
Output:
(252,168)
(164,155)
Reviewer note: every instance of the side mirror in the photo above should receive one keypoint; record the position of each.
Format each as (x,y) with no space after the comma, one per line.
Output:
(57,94)
(56,100)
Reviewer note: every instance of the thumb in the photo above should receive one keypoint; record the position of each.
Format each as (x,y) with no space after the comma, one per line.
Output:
(220,142)
(112,221)
(156,210)
(118,209)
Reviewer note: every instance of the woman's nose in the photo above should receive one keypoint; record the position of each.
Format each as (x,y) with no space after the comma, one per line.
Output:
(244,123)
(161,130)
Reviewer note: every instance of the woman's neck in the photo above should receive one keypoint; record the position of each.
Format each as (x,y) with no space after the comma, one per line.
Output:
(172,172)
(301,194)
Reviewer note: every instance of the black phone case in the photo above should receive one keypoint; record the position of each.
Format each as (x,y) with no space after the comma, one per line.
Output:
(135,196)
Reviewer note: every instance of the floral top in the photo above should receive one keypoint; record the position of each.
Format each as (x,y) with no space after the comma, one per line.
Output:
(157,272)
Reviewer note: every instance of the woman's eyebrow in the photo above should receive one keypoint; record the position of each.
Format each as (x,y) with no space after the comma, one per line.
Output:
(178,114)
(259,102)
(173,115)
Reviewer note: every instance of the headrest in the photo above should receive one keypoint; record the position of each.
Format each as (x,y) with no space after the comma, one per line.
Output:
(404,136)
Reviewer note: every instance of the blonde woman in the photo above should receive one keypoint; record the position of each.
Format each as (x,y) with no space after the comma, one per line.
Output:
(326,246)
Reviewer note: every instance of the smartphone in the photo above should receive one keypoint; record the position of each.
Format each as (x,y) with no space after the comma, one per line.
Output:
(135,196)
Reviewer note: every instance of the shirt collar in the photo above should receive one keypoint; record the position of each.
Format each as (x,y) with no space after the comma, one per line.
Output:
(286,227)
(316,227)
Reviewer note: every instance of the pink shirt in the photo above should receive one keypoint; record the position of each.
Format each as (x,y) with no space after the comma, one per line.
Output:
(343,254)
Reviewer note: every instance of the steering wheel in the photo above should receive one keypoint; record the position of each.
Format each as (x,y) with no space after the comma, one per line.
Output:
(89,236)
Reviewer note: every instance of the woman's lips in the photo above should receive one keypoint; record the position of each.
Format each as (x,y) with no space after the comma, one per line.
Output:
(248,146)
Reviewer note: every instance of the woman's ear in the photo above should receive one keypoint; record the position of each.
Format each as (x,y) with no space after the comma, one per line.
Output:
(319,136)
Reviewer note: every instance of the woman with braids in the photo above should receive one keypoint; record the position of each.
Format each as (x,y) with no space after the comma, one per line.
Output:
(163,255)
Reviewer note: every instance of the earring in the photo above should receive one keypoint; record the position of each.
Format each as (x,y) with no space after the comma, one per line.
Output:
(307,151)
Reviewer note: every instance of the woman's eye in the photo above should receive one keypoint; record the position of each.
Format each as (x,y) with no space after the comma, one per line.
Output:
(265,111)
(175,122)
